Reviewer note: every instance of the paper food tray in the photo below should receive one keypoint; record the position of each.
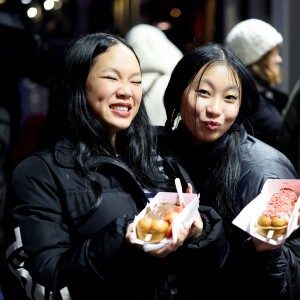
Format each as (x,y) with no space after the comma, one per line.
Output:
(247,218)
(187,216)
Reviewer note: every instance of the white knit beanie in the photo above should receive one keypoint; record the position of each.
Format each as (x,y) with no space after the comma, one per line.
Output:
(250,40)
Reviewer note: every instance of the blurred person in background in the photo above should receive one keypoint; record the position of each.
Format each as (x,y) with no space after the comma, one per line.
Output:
(158,56)
(258,44)
(289,134)
(25,60)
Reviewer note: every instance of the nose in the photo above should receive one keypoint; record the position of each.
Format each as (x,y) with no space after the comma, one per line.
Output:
(124,91)
(278,59)
(214,108)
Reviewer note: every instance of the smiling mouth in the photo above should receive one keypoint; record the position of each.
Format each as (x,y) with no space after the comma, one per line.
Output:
(120,108)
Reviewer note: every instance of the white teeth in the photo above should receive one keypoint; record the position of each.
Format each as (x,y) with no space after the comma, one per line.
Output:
(120,108)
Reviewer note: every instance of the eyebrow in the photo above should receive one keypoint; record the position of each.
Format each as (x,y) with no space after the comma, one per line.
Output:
(230,87)
(118,72)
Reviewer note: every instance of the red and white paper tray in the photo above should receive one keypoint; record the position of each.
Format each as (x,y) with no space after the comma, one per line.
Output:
(187,216)
(247,218)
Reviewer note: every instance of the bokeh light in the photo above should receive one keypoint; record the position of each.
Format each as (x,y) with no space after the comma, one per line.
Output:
(175,13)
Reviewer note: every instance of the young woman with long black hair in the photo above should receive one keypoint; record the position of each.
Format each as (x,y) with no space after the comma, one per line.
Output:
(208,99)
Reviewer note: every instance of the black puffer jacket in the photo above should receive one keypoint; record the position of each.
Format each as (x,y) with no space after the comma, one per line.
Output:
(289,135)
(57,246)
(267,120)
(249,275)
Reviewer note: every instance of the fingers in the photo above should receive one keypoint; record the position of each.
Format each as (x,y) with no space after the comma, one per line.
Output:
(261,246)
(198,224)
(167,249)
(182,234)
(196,228)
(189,189)
(129,233)
(171,246)
(164,251)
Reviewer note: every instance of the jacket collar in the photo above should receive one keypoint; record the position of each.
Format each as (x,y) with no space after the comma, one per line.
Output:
(208,152)
(212,151)
(63,150)
(63,155)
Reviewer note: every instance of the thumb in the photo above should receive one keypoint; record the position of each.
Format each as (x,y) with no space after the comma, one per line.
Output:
(189,189)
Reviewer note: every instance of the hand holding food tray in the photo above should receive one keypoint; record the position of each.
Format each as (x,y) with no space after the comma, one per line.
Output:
(168,201)
(273,215)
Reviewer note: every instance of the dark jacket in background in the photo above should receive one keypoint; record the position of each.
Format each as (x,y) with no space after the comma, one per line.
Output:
(266,121)
(58,246)
(249,275)
(289,134)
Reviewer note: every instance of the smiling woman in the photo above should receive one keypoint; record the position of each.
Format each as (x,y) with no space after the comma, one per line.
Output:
(70,205)
(113,88)
(214,94)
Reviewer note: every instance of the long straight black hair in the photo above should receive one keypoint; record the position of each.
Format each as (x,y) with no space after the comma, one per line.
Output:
(221,193)
(79,124)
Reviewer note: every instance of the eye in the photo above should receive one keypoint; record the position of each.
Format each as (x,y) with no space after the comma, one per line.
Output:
(202,92)
(110,78)
(137,82)
(231,98)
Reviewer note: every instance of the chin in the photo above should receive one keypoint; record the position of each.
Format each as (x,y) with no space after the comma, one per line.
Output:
(122,127)
(212,138)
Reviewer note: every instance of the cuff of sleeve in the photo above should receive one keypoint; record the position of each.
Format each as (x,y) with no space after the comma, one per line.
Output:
(264,256)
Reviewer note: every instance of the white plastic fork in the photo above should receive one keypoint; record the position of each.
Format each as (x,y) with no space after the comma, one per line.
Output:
(179,190)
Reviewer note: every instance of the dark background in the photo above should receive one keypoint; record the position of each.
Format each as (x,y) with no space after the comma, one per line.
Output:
(30,49)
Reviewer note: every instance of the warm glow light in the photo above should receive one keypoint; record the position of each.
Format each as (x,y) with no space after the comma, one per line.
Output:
(2,1)
(175,13)
(48,4)
(31,12)
(57,4)
(163,25)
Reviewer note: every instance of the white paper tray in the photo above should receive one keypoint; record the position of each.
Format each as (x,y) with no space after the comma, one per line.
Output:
(248,216)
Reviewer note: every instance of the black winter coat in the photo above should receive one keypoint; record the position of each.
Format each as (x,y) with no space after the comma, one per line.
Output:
(266,122)
(250,275)
(288,138)
(59,246)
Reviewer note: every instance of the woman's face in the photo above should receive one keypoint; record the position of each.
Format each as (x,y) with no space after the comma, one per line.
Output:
(113,88)
(274,61)
(209,108)
(274,57)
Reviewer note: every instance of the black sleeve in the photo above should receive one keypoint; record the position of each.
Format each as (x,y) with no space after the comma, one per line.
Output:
(278,271)
(38,237)
(199,264)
